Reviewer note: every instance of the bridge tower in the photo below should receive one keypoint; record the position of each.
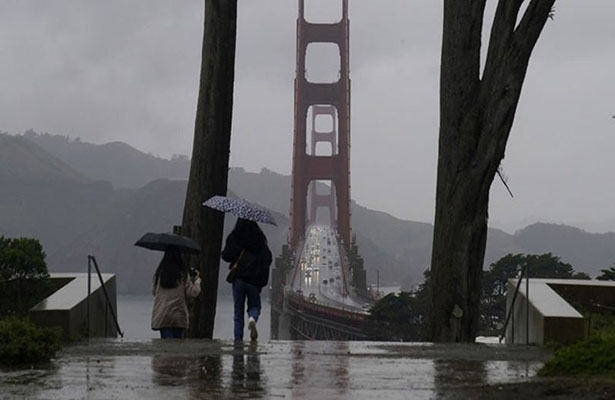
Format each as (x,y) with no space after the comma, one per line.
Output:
(318,200)
(330,100)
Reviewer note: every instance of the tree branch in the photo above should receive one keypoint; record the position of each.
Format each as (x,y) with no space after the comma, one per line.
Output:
(505,71)
(532,23)
(460,62)
(501,32)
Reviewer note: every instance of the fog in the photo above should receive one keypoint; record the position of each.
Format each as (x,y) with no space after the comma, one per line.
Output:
(128,71)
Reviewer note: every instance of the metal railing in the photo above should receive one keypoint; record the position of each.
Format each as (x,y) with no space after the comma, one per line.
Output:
(299,297)
(92,261)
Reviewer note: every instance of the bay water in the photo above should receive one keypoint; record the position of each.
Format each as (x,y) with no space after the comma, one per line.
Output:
(135,313)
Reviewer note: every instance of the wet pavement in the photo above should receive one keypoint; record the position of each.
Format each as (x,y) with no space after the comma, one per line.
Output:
(199,369)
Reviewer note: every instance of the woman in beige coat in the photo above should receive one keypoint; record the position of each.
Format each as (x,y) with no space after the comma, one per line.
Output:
(173,288)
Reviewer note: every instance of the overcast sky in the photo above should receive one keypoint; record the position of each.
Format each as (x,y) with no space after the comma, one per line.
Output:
(128,70)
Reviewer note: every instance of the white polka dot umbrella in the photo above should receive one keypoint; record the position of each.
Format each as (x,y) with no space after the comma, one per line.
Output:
(241,208)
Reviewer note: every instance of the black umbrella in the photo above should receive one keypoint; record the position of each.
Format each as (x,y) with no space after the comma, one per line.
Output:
(162,241)
(241,208)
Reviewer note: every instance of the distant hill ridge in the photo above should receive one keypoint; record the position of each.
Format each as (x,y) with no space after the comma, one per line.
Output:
(23,160)
(79,208)
(116,162)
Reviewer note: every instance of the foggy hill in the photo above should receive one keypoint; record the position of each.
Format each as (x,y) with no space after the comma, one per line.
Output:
(116,162)
(23,160)
(588,252)
(74,215)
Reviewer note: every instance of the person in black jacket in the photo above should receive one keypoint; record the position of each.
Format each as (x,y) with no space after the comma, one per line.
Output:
(247,245)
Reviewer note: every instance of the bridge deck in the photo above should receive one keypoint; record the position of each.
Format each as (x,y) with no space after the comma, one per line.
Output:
(320,275)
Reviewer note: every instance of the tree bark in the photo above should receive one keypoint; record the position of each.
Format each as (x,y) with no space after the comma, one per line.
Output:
(210,156)
(476,116)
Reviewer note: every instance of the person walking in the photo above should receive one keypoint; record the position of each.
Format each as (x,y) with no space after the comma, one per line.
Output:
(249,258)
(173,288)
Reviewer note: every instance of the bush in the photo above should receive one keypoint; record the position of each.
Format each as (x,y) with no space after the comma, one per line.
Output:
(593,356)
(23,343)
(602,324)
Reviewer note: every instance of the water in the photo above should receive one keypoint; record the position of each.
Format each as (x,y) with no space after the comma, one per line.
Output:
(205,369)
(135,312)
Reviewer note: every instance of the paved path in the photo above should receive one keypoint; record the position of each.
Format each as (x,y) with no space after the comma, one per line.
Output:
(159,369)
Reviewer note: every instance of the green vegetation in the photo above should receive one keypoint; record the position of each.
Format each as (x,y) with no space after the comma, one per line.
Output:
(607,274)
(23,343)
(24,280)
(593,356)
(395,318)
(401,317)
(602,324)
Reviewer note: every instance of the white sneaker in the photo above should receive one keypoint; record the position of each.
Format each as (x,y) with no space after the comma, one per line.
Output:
(252,328)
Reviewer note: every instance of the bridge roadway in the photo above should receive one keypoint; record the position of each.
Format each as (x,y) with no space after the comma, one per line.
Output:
(320,274)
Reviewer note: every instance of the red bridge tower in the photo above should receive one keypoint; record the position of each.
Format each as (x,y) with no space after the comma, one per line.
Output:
(330,100)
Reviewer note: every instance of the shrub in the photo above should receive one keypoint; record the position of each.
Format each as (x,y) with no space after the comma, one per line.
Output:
(23,343)
(593,356)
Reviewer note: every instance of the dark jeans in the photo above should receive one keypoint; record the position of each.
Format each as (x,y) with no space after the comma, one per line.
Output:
(242,291)
(172,333)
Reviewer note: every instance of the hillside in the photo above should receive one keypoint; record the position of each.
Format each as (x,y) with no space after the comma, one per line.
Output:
(587,252)
(116,162)
(22,160)
(75,215)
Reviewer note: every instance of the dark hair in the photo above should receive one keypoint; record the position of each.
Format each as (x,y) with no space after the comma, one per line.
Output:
(249,235)
(170,271)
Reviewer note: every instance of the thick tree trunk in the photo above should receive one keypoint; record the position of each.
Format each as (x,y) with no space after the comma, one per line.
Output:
(476,116)
(210,155)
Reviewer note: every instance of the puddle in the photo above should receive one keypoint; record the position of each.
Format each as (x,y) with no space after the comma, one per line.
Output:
(221,370)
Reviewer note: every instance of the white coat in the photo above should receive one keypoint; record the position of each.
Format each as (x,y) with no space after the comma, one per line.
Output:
(171,305)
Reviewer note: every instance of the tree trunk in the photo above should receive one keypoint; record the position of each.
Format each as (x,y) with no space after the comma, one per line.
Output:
(476,116)
(210,156)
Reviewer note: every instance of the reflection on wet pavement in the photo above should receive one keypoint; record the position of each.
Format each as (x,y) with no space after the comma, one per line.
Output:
(194,369)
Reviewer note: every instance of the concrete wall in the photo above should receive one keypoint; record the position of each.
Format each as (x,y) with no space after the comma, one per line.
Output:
(516,332)
(67,308)
(553,315)
(564,330)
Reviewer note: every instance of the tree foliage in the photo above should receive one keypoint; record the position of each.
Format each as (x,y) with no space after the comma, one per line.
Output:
(607,274)
(24,279)
(395,317)
(401,317)
(22,258)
